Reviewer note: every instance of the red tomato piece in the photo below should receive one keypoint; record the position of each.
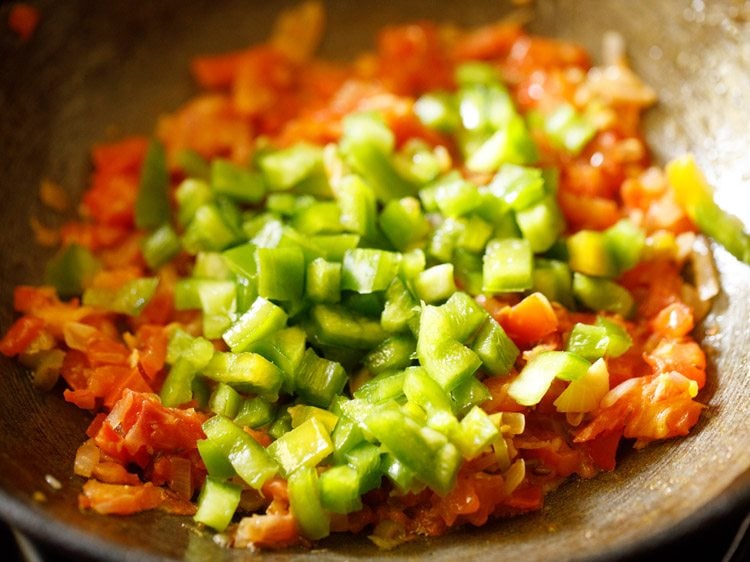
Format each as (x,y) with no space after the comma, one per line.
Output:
(123,156)
(23,20)
(681,355)
(674,320)
(138,427)
(646,408)
(412,59)
(530,320)
(492,41)
(20,335)
(120,499)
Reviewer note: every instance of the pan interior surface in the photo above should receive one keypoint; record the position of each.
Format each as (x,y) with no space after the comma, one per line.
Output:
(87,78)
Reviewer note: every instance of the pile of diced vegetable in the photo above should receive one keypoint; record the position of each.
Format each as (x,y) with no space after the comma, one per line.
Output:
(422,299)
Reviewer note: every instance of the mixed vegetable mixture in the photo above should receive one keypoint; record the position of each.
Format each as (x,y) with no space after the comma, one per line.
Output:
(392,297)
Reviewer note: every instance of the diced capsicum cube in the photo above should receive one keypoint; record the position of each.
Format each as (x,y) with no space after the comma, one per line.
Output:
(304,446)
(217,503)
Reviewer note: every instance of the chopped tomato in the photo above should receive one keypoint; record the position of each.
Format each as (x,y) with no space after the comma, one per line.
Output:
(260,436)
(530,320)
(124,156)
(114,473)
(92,236)
(655,284)
(299,30)
(20,335)
(674,320)
(412,59)
(683,356)
(27,299)
(263,75)
(586,212)
(217,71)
(527,497)
(531,54)
(499,400)
(43,303)
(489,42)
(628,365)
(646,408)
(544,442)
(181,474)
(209,125)
(138,427)
(602,449)
(267,531)
(120,499)
(111,198)
(23,20)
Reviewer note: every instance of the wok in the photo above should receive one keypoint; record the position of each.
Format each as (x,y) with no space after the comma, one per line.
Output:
(98,69)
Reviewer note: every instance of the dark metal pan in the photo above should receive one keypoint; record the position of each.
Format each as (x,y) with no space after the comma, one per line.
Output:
(96,69)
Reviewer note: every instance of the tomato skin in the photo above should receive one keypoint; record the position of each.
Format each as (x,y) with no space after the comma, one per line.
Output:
(122,499)
(27,299)
(533,54)
(138,427)
(488,42)
(655,284)
(126,155)
(674,320)
(646,408)
(680,355)
(602,449)
(587,212)
(23,19)
(209,125)
(527,497)
(412,59)
(20,335)
(267,531)
(111,199)
(151,345)
(217,71)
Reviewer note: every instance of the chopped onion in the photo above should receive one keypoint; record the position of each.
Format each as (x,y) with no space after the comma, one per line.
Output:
(77,335)
(585,393)
(87,457)
(389,534)
(618,392)
(704,269)
(502,454)
(514,476)
(180,480)
(512,423)
(53,482)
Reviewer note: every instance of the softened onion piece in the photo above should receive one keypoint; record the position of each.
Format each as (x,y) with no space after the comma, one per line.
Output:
(514,476)
(181,478)
(704,270)
(87,457)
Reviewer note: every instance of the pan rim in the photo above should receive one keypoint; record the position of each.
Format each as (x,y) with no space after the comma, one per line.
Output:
(41,526)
